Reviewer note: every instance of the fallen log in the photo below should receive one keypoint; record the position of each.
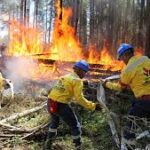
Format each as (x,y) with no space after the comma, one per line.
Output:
(19,130)
(8,135)
(22,114)
(9,126)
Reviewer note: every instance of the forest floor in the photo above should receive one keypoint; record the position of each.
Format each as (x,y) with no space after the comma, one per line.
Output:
(96,134)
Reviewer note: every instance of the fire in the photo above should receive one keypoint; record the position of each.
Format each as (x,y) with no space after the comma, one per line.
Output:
(24,40)
(139,51)
(105,58)
(65,45)
(27,41)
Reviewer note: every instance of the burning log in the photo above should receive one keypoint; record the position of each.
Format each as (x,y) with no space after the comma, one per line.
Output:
(40,71)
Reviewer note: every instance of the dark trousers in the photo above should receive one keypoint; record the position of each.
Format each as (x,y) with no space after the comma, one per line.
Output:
(68,116)
(141,109)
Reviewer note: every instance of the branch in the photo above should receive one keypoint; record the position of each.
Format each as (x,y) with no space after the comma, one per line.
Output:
(19,115)
(35,130)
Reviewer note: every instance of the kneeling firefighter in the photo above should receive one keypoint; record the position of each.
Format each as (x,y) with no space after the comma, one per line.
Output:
(69,87)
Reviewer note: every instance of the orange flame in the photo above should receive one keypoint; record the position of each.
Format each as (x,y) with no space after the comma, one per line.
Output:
(139,51)
(105,58)
(64,43)
(24,40)
(65,46)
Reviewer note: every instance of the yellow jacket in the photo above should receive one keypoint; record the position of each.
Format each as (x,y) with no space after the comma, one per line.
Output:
(70,87)
(136,75)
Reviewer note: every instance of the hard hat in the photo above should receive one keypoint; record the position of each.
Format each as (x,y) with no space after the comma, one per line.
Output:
(123,48)
(82,64)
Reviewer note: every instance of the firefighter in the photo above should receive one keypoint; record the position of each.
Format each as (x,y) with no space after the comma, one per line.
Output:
(68,88)
(136,77)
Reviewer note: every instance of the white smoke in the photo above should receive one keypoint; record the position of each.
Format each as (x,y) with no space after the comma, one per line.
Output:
(19,70)
(23,71)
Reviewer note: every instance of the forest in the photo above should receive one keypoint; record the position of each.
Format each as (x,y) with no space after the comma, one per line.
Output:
(40,40)
(96,22)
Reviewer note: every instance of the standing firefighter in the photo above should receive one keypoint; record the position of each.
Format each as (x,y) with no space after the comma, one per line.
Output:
(136,76)
(67,88)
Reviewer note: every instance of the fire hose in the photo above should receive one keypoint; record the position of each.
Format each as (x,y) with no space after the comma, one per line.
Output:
(102,100)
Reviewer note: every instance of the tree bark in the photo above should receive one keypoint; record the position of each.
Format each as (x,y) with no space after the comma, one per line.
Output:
(21,10)
(36,11)
(92,12)
(75,15)
(147,45)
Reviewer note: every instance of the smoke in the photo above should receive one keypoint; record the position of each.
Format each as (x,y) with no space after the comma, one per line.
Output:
(25,72)
(19,70)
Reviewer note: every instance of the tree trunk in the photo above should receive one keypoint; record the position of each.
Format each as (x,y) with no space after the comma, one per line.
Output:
(75,17)
(21,10)
(147,45)
(36,11)
(140,35)
(92,20)
(25,12)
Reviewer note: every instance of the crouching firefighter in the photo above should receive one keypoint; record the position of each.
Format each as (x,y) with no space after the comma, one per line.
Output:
(135,76)
(68,87)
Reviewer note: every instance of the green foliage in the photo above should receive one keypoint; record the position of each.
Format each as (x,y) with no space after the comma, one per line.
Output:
(96,134)
(34,146)
(34,120)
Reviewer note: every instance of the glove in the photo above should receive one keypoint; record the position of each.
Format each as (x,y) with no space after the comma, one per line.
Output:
(98,107)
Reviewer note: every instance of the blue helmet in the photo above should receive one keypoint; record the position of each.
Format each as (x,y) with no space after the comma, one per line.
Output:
(123,48)
(82,64)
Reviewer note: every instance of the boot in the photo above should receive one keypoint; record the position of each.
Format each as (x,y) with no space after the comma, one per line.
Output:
(47,144)
(130,143)
(78,148)
(77,143)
